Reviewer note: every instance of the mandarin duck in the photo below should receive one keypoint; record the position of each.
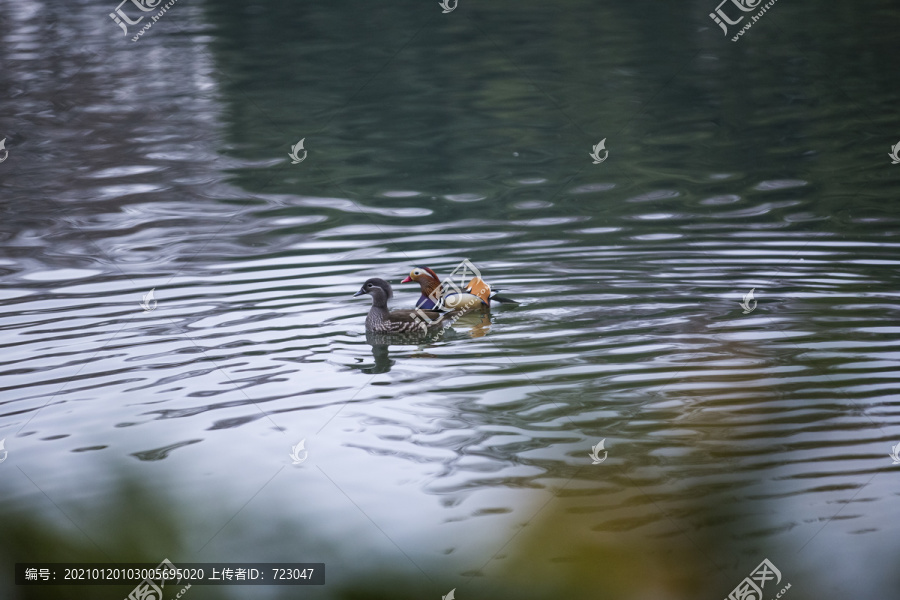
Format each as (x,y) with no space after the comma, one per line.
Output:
(445,296)
(382,320)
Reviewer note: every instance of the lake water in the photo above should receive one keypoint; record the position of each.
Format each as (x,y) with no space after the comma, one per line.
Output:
(730,436)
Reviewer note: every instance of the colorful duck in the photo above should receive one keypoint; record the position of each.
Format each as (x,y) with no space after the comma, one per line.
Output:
(382,320)
(445,296)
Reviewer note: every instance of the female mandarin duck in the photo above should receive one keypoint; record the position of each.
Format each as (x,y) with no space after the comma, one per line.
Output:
(438,296)
(381,320)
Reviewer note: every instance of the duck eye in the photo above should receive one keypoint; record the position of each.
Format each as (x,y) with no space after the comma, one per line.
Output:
(368,285)
(417,272)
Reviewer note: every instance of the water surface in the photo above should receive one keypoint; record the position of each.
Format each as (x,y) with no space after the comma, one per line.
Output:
(163,164)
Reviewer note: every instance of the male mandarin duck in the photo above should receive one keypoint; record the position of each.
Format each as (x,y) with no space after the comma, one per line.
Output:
(381,320)
(438,296)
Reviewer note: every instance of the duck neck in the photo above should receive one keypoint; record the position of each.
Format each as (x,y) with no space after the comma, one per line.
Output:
(379,311)
(430,284)
(379,302)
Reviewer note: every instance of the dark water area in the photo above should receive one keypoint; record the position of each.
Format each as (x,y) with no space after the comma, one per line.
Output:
(732,435)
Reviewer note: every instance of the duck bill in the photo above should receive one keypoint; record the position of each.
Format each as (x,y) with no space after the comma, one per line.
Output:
(407,280)
(359,293)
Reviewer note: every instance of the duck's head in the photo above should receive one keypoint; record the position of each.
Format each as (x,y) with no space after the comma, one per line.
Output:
(379,289)
(423,276)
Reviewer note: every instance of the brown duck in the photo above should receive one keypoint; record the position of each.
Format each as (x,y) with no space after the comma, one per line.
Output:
(382,320)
